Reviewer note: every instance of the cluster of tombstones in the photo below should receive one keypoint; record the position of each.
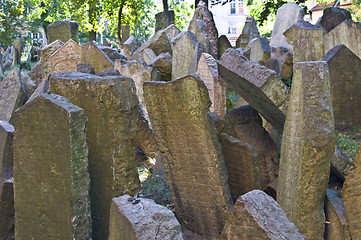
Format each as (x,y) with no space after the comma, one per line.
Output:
(70,125)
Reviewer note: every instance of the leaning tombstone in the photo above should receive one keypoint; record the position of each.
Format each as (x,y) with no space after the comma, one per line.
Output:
(12,95)
(199,49)
(249,32)
(111,106)
(171,31)
(43,87)
(7,211)
(164,65)
(66,58)
(179,113)
(29,84)
(222,45)
(144,220)
(51,183)
(36,73)
(308,143)
(92,54)
(159,43)
(63,31)
(112,53)
(285,61)
(85,68)
(163,20)
(46,52)
(17,50)
(198,28)
(286,16)
(6,151)
(258,216)
(333,16)
(130,46)
(260,49)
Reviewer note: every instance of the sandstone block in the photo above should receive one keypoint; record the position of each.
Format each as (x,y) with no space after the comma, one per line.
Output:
(66,58)
(91,53)
(171,31)
(42,88)
(159,43)
(130,46)
(46,52)
(198,28)
(36,73)
(85,68)
(163,63)
(260,49)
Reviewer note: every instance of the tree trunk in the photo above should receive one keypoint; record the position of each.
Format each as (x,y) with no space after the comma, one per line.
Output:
(197,1)
(119,27)
(165,5)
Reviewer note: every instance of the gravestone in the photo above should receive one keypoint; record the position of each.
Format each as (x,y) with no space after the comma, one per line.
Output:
(171,31)
(286,16)
(111,106)
(257,84)
(36,73)
(351,196)
(148,55)
(198,28)
(199,49)
(46,52)
(163,20)
(347,33)
(130,46)
(6,151)
(222,45)
(179,113)
(125,32)
(66,58)
(7,211)
(308,143)
(145,137)
(143,221)
(12,95)
(50,170)
(63,31)
(108,72)
(203,13)
(163,63)
(42,88)
(184,45)
(159,43)
(258,216)
(285,61)
(29,84)
(345,86)
(260,49)
(92,54)
(306,40)
(336,225)
(333,16)
(85,68)
(17,50)
(112,53)
(207,70)
(249,32)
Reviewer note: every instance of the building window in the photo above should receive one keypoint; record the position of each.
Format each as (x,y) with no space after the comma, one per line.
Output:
(240,7)
(232,7)
(234,30)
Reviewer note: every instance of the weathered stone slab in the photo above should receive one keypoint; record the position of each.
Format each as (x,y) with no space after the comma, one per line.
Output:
(340,164)
(112,53)
(184,45)
(148,55)
(195,59)
(42,88)
(285,61)
(258,216)
(6,151)
(108,72)
(333,16)
(17,50)
(179,113)
(159,43)
(29,84)
(63,31)
(85,68)
(164,19)
(249,32)
(345,86)
(286,16)
(50,170)
(171,31)
(36,73)
(260,49)
(66,58)
(145,220)
(130,46)
(111,106)
(145,137)
(208,71)
(306,40)
(164,65)
(308,143)
(257,84)
(222,45)
(351,196)
(91,53)
(7,211)
(198,28)
(347,33)
(46,52)
(336,225)
(12,95)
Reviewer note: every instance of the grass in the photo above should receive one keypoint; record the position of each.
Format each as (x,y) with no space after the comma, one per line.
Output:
(348,140)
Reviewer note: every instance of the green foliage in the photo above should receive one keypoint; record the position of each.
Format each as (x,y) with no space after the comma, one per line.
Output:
(287,81)
(156,187)
(348,140)
(231,98)
(11,19)
(182,13)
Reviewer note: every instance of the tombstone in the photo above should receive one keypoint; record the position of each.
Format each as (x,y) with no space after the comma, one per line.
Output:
(36,73)
(6,151)
(347,33)
(50,170)
(163,20)
(108,72)
(7,211)
(85,68)
(179,113)
(271,63)
(340,164)
(260,49)
(257,84)
(17,50)
(29,84)
(111,106)
(12,95)
(198,28)
(207,70)
(195,59)
(336,222)
(171,31)
(333,16)
(258,216)
(46,52)
(145,137)
(285,61)
(184,45)
(149,55)
(91,53)
(125,33)
(345,86)
(159,43)
(164,65)
(249,32)
(351,196)
(222,45)
(286,16)
(203,13)
(130,46)
(145,220)
(43,87)
(306,40)
(63,31)
(112,53)
(308,143)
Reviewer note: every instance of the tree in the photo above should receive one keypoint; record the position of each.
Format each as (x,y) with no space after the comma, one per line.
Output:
(11,19)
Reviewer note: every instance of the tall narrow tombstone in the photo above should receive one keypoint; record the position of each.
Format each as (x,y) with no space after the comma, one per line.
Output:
(7,211)
(184,45)
(66,58)
(249,32)
(258,216)
(125,32)
(207,70)
(308,143)
(257,84)
(351,196)
(12,95)
(286,16)
(222,45)
(347,33)
(50,170)
(198,28)
(179,112)
(345,86)
(306,40)
(111,106)
(92,54)
(6,151)
(46,52)
(63,31)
